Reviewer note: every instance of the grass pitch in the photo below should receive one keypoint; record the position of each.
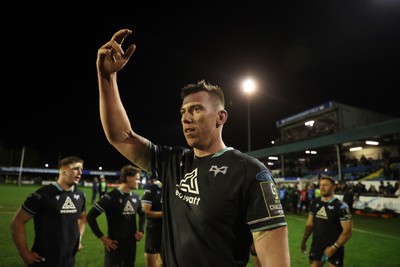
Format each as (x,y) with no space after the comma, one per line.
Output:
(375,241)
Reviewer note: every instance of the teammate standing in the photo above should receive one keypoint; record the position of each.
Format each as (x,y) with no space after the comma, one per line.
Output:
(121,206)
(151,202)
(330,223)
(59,216)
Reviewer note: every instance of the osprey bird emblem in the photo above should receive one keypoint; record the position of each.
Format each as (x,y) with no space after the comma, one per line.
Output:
(217,170)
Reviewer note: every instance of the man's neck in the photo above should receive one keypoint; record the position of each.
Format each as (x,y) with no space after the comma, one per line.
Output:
(326,199)
(124,188)
(64,186)
(207,152)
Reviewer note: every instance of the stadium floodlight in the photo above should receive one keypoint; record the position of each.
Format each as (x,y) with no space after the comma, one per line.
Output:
(372,143)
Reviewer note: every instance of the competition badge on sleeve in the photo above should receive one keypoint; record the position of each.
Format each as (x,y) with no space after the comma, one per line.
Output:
(271,195)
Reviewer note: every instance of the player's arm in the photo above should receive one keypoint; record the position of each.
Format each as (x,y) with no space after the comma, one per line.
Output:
(346,233)
(82,226)
(151,213)
(142,222)
(272,247)
(91,219)
(142,217)
(307,233)
(18,233)
(343,237)
(116,125)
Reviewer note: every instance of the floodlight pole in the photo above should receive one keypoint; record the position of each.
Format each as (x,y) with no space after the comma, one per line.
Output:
(248,124)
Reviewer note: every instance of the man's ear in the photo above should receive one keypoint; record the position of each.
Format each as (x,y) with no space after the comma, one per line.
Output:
(222,117)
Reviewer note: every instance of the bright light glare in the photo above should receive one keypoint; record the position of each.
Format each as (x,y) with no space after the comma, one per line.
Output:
(313,152)
(100,168)
(373,143)
(356,148)
(249,86)
(309,123)
(272,158)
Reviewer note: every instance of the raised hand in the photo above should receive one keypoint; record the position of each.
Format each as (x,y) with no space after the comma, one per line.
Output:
(111,57)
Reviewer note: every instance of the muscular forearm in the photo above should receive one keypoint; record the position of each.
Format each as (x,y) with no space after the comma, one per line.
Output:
(113,117)
(19,237)
(343,238)
(346,233)
(307,233)
(273,247)
(82,226)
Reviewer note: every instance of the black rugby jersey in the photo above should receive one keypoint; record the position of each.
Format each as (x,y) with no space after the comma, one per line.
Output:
(55,213)
(152,196)
(211,205)
(327,218)
(121,210)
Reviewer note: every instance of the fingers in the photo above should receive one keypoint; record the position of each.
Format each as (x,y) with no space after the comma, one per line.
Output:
(33,257)
(120,35)
(112,246)
(113,48)
(118,38)
(111,57)
(129,51)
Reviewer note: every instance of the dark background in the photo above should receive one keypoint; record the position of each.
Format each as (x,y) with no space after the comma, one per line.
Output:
(300,54)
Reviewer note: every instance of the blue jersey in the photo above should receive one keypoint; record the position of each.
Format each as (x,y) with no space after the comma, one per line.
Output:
(211,205)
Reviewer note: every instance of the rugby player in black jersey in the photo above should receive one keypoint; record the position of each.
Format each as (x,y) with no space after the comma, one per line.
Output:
(216,200)
(330,224)
(120,206)
(59,216)
(151,202)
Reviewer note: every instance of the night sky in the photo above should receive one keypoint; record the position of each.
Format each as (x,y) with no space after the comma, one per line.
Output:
(301,55)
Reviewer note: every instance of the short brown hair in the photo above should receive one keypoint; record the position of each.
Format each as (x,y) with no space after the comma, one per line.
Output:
(68,160)
(215,91)
(128,170)
(325,177)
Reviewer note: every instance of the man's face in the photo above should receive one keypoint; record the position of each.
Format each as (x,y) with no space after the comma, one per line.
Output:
(199,120)
(133,181)
(72,174)
(326,187)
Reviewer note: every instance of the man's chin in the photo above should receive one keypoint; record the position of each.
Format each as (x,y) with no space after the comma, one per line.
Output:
(191,142)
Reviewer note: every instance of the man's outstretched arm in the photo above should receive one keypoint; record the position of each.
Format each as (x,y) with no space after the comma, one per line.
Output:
(111,58)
